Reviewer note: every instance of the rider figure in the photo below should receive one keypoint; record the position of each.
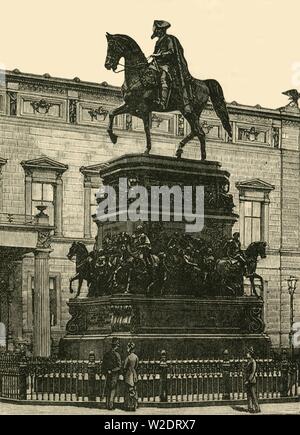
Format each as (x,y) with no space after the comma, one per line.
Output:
(168,58)
(233,249)
(143,246)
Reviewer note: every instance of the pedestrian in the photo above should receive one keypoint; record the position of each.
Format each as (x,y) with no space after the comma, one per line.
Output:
(250,383)
(130,379)
(111,367)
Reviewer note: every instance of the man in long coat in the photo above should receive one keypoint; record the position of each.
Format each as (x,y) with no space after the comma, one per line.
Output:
(168,58)
(111,367)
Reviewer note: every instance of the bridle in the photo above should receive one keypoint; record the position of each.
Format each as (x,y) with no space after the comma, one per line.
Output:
(116,47)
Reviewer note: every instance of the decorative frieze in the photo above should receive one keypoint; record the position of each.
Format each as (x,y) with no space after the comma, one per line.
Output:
(252,134)
(73,111)
(41,106)
(13,103)
(42,88)
(99,112)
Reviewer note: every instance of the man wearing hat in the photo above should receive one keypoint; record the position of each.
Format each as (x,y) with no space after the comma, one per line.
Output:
(250,382)
(233,249)
(168,58)
(111,367)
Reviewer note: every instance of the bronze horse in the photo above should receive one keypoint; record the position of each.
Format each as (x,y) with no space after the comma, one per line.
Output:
(140,93)
(230,272)
(83,261)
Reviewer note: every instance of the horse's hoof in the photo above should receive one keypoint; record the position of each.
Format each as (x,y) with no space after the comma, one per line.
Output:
(179,153)
(113,137)
(147,152)
(71,291)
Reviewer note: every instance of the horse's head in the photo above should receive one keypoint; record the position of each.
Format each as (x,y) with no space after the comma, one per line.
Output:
(119,46)
(115,51)
(262,247)
(72,251)
(257,249)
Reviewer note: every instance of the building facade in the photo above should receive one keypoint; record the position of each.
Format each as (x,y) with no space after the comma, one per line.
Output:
(53,141)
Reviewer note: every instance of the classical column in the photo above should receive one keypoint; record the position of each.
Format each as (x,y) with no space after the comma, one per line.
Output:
(28,193)
(58,207)
(87,207)
(41,315)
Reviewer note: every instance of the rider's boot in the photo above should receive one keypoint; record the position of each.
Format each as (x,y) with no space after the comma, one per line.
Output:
(163,101)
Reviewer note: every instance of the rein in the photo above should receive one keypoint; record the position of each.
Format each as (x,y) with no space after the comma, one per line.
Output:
(139,65)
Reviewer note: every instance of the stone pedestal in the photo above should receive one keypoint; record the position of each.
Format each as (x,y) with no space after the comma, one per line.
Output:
(186,327)
(155,170)
(41,319)
(184,315)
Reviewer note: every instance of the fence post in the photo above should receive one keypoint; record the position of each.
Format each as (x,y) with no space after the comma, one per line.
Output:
(92,377)
(226,375)
(163,376)
(284,384)
(23,380)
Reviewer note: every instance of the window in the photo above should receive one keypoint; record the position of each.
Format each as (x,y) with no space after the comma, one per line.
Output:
(91,184)
(43,194)
(252,224)
(53,300)
(254,198)
(2,163)
(44,186)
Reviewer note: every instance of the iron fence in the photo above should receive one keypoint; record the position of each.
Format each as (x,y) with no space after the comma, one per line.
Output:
(167,381)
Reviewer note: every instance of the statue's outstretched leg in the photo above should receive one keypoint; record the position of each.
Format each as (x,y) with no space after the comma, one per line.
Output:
(181,145)
(253,287)
(119,111)
(74,278)
(80,282)
(146,121)
(201,136)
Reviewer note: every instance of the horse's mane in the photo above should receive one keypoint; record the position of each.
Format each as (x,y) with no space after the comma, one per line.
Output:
(130,43)
(83,247)
(251,247)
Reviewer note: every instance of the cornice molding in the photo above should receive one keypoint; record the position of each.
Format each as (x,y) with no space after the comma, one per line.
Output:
(62,85)
(255,184)
(44,163)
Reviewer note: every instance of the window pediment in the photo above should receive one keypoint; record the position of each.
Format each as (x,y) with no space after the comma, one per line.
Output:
(44,163)
(92,170)
(255,184)
(91,173)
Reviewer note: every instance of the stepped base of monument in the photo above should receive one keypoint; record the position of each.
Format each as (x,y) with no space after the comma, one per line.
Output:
(177,346)
(186,327)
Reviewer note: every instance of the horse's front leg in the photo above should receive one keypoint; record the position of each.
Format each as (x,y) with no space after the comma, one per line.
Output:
(182,143)
(255,275)
(146,121)
(252,277)
(74,278)
(80,282)
(119,111)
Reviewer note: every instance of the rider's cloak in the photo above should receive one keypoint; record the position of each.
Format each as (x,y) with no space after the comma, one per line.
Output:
(172,55)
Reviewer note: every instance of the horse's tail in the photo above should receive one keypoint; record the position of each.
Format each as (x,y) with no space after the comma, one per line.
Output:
(219,103)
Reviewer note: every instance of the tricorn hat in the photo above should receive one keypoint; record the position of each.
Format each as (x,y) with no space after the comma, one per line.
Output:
(160,24)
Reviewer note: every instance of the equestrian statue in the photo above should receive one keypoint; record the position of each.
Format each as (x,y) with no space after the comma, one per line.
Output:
(162,85)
